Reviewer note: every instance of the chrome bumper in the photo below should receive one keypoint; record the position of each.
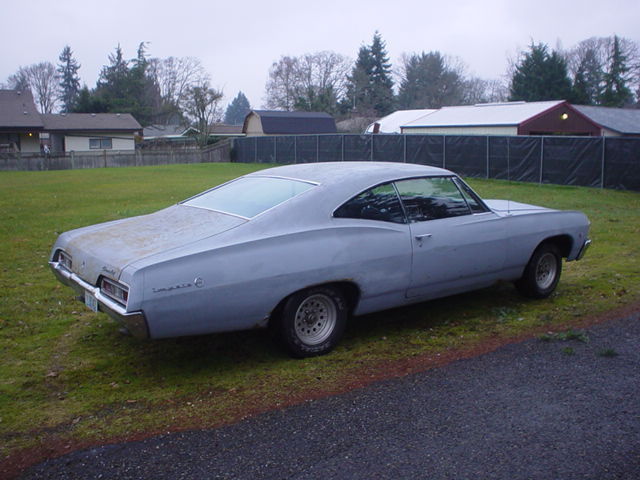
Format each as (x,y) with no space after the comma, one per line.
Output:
(584,248)
(133,321)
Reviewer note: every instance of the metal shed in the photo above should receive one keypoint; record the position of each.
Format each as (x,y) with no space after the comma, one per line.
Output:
(555,117)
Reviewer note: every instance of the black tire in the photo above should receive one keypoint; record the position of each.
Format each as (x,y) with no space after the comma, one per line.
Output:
(542,273)
(311,322)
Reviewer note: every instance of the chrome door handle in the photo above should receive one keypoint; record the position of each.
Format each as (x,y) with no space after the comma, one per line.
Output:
(423,236)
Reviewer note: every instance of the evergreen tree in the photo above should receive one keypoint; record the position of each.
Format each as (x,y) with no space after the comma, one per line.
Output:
(88,102)
(428,82)
(540,76)
(558,81)
(381,77)
(370,89)
(616,93)
(359,89)
(112,83)
(128,87)
(587,80)
(143,92)
(237,110)
(69,80)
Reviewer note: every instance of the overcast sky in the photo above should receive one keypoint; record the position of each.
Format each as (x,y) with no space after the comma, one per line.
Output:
(237,41)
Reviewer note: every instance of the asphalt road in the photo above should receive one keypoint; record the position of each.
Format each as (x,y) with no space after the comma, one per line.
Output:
(530,410)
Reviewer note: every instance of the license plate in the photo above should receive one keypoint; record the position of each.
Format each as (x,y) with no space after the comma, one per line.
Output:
(90,301)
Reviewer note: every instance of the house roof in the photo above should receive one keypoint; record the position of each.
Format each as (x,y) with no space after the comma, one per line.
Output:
(18,111)
(621,120)
(90,122)
(392,122)
(494,114)
(278,122)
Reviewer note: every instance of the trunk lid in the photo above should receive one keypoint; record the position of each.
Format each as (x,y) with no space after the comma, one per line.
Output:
(107,248)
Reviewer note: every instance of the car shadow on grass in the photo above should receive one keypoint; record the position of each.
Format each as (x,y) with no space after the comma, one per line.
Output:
(240,350)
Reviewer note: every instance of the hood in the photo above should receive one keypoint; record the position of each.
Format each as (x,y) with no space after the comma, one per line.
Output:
(107,248)
(507,207)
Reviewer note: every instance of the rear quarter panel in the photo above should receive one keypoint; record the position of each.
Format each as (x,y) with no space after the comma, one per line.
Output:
(236,286)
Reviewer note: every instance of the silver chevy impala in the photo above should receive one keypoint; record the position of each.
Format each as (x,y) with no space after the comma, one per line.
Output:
(300,248)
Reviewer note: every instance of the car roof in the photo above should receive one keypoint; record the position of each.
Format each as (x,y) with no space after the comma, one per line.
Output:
(354,174)
(336,182)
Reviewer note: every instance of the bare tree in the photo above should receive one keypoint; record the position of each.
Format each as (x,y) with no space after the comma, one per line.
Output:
(283,83)
(496,91)
(594,46)
(479,90)
(314,81)
(602,47)
(175,76)
(202,104)
(19,80)
(589,61)
(474,91)
(42,79)
(325,71)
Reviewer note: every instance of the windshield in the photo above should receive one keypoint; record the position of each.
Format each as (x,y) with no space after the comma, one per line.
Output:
(249,196)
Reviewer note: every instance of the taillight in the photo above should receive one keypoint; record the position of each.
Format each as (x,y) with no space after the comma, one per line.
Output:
(115,290)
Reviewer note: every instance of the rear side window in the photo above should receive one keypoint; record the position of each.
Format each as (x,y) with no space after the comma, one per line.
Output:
(378,203)
(431,198)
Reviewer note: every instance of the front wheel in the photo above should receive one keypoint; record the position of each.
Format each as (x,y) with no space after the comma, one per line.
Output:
(542,273)
(312,321)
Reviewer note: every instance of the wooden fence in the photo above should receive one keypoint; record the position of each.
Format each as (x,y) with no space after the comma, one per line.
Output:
(219,152)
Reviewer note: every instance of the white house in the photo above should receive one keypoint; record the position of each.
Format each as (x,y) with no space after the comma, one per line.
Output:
(91,132)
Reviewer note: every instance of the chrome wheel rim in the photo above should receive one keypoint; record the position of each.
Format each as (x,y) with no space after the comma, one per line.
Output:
(546,271)
(315,319)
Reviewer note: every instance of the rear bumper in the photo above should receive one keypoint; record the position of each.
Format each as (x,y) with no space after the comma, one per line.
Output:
(135,322)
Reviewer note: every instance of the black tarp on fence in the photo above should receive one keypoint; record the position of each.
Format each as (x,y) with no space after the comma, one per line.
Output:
(606,162)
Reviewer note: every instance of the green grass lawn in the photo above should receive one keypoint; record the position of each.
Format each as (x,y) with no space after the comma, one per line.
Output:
(67,374)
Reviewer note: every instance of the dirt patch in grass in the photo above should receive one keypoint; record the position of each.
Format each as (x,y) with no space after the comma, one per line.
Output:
(58,444)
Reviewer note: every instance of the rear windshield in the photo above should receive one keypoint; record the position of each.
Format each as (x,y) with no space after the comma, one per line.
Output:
(249,196)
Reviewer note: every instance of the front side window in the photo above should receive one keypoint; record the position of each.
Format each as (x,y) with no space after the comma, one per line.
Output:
(431,198)
(249,196)
(378,203)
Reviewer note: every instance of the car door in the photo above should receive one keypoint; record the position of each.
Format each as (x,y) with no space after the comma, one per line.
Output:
(457,242)
(375,244)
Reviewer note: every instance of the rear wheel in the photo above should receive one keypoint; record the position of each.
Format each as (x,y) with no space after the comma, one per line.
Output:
(542,273)
(312,321)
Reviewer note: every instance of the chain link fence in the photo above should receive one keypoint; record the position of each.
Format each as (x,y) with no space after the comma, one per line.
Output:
(603,162)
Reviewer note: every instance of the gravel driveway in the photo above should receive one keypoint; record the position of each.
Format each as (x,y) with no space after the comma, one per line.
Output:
(533,410)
